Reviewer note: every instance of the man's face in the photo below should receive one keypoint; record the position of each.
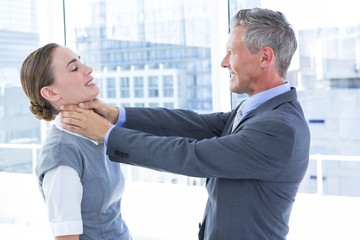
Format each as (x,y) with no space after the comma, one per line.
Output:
(244,67)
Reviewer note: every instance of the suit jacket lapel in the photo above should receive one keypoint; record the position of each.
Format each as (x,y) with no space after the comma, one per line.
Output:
(228,127)
(266,106)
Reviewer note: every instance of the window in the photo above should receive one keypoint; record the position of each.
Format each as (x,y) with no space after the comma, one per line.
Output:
(124,87)
(139,87)
(111,88)
(139,105)
(153,105)
(153,87)
(168,86)
(169,105)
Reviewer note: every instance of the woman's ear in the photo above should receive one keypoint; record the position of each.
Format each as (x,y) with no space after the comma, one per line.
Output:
(49,94)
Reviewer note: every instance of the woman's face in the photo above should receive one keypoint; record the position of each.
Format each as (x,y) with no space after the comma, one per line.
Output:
(73,81)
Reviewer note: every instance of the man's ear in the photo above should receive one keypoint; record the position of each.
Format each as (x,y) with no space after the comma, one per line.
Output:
(49,94)
(268,55)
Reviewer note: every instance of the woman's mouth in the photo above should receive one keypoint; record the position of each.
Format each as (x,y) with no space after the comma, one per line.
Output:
(90,83)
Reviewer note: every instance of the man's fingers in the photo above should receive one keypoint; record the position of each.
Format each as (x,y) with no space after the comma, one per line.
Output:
(69,121)
(78,113)
(70,127)
(89,105)
(70,107)
(85,122)
(70,115)
(76,118)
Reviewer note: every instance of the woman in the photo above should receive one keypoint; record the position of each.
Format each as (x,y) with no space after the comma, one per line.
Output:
(82,189)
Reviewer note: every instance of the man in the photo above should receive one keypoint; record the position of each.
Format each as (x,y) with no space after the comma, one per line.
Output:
(253,169)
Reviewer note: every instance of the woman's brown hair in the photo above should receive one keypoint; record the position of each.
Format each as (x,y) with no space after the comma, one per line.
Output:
(36,73)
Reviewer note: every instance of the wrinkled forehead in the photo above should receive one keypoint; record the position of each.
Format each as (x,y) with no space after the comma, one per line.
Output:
(237,34)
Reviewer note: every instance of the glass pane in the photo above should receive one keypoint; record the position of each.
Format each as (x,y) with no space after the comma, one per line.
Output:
(18,37)
(22,211)
(144,40)
(21,25)
(158,53)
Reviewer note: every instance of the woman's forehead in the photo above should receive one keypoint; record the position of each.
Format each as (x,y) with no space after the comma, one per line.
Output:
(64,52)
(62,56)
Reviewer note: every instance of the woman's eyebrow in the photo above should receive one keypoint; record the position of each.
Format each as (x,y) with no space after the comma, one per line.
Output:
(73,60)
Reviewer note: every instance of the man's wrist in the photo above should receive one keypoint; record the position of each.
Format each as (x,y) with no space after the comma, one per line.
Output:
(122,117)
(106,137)
(114,114)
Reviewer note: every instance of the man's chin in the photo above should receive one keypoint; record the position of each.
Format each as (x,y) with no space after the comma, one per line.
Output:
(233,88)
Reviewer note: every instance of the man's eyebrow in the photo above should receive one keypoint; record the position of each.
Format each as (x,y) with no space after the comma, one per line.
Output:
(73,60)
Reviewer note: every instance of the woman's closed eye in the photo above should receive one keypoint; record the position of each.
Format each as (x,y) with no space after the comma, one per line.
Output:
(74,68)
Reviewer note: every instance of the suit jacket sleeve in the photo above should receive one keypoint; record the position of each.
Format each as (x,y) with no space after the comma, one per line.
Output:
(190,144)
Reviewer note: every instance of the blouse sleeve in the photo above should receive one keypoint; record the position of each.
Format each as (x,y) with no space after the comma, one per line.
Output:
(63,195)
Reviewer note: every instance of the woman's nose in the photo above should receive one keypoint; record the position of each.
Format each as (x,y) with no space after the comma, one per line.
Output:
(89,70)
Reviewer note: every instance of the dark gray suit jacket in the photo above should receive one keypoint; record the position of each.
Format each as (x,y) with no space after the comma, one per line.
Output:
(252,174)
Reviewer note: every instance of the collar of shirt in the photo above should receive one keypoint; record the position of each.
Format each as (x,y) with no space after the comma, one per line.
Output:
(261,97)
(58,125)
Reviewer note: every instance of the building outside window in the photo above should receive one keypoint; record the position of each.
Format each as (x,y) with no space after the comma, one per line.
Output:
(168,86)
(111,87)
(139,87)
(124,87)
(153,86)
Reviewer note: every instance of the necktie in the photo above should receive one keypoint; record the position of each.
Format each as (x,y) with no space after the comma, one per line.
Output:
(238,116)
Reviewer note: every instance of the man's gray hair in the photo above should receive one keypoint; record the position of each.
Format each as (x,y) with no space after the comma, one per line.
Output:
(264,27)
